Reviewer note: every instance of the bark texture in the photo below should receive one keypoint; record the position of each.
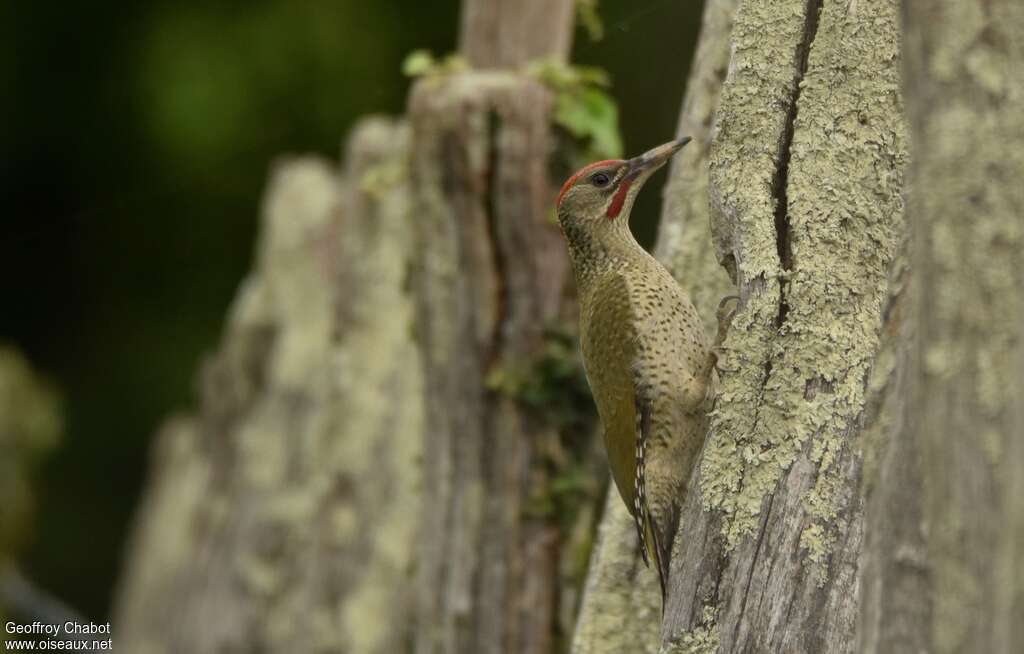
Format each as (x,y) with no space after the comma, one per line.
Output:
(282,516)
(620,610)
(965,89)
(509,33)
(489,279)
(358,436)
(805,182)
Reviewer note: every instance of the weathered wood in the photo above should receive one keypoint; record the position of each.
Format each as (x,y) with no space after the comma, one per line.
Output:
(489,279)
(965,89)
(282,516)
(509,33)
(621,601)
(894,605)
(806,181)
(332,454)
(684,232)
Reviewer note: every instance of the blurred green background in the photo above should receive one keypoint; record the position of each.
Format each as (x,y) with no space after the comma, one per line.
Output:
(134,148)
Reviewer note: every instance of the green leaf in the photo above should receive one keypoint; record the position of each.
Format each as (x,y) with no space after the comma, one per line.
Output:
(586,13)
(591,114)
(562,78)
(418,63)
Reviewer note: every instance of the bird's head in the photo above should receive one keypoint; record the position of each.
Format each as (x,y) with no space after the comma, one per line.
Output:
(598,197)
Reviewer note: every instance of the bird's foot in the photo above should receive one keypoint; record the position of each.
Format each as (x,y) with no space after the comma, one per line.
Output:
(724,316)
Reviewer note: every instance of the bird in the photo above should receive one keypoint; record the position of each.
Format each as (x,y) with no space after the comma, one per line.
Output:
(646,355)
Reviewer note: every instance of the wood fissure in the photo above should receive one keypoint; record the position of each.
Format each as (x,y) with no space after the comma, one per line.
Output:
(486,283)
(781,177)
(794,179)
(491,207)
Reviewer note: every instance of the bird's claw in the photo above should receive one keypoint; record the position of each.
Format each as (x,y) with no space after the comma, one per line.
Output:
(717,352)
(725,316)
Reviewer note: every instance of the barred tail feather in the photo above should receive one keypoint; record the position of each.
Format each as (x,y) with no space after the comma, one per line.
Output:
(661,546)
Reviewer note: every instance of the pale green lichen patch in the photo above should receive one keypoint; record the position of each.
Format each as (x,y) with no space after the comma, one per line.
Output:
(702,639)
(750,127)
(805,343)
(846,220)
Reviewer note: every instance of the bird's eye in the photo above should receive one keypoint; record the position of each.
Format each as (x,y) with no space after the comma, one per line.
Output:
(600,179)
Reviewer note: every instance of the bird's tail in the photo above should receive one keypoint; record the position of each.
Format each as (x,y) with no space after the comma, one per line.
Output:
(660,554)
(659,541)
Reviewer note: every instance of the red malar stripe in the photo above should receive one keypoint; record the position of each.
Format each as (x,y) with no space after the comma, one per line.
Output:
(620,198)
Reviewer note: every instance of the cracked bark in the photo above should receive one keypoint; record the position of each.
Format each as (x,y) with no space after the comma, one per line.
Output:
(806,215)
(803,148)
(489,278)
(487,282)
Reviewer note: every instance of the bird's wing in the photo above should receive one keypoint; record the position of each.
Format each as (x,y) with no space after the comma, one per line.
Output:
(643,427)
(656,537)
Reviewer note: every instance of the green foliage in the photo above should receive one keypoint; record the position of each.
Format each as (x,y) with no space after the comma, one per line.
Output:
(583,107)
(586,14)
(422,63)
(553,383)
(210,77)
(591,114)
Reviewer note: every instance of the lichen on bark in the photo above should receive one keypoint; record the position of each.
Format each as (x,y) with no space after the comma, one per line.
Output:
(255,532)
(805,182)
(965,86)
(620,611)
(814,289)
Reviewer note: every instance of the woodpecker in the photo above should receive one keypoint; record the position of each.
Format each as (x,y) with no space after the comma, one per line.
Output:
(645,352)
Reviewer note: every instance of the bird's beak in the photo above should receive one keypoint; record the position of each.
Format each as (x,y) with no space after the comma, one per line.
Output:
(653,159)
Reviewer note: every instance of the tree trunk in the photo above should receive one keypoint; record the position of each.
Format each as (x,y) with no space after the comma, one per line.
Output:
(509,33)
(282,517)
(353,442)
(30,426)
(964,420)
(805,179)
(488,281)
(486,284)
